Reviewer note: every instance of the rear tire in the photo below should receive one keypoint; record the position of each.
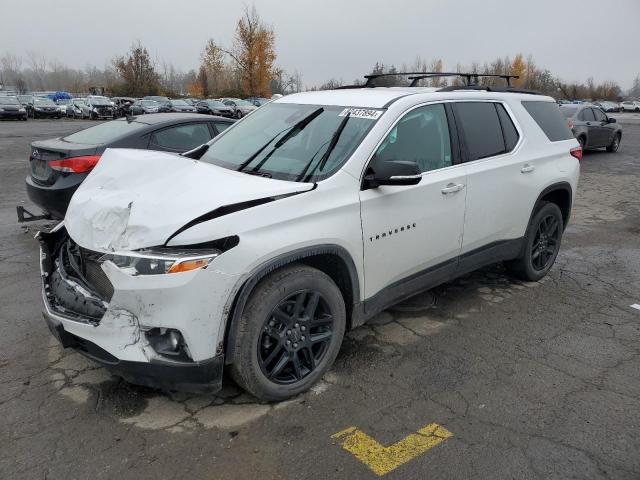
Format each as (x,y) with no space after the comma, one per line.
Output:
(615,144)
(238,114)
(289,334)
(582,141)
(542,243)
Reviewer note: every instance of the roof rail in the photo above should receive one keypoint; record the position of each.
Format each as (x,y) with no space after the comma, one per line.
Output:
(472,78)
(453,88)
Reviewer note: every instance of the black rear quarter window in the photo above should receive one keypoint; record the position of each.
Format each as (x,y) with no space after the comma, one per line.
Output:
(548,117)
(510,133)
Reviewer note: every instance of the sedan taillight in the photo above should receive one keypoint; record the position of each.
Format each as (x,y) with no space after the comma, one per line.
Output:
(577,153)
(75,164)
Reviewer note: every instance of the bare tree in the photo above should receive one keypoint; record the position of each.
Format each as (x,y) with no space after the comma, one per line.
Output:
(634,91)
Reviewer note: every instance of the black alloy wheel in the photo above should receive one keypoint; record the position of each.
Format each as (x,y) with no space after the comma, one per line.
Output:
(541,244)
(295,338)
(545,243)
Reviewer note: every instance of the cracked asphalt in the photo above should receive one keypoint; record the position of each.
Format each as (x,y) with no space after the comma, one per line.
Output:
(534,380)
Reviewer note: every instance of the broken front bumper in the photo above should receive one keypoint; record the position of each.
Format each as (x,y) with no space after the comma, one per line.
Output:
(106,314)
(197,377)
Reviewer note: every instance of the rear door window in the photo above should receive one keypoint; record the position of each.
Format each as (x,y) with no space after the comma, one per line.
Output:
(548,117)
(181,138)
(481,127)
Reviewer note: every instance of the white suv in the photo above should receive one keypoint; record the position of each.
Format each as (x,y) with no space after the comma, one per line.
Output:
(631,106)
(303,220)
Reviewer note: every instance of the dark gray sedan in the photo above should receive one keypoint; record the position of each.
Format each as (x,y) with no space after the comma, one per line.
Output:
(58,166)
(592,127)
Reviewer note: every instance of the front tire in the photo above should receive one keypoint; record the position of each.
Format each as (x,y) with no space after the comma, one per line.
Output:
(289,334)
(615,144)
(542,243)
(238,114)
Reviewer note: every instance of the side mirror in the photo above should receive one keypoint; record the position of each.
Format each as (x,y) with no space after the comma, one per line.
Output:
(391,172)
(611,120)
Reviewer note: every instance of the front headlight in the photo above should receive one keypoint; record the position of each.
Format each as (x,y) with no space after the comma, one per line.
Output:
(161,260)
(95,109)
(21,110)
(1,109)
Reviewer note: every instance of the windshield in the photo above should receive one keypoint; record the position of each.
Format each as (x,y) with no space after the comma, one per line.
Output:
(568,112)
(44,101)
(291,142)
(24,98)
(149,103)
(216,104)
(9,101)
(243,103)
(63,101)
(99,101)
(104,133)
(180,103)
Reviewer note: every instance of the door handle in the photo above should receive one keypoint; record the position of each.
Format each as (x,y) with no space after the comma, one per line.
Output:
(452,188)
(527,168)
(588,123)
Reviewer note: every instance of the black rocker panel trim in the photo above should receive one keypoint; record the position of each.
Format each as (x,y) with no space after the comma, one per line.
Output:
(443,272)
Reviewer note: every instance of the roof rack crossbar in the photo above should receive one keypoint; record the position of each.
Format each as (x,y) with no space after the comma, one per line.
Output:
(453,88)
(472,78)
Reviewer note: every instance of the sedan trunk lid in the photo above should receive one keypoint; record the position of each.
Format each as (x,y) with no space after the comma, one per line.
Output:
(43,152)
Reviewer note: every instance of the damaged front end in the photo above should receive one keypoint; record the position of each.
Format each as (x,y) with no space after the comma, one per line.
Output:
(84,311)
(74,283)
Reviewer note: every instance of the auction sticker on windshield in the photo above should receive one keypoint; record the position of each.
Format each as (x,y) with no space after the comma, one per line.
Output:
(361,113)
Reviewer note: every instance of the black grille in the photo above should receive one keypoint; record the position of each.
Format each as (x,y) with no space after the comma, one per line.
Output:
(87,264)
(94,274)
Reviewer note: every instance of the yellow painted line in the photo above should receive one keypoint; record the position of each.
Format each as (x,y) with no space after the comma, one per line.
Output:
(380,459)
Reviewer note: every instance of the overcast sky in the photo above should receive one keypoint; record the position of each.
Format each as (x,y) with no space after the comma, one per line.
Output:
(341,38)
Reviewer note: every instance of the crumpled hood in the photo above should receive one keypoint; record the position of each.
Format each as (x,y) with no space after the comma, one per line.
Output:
(138,198)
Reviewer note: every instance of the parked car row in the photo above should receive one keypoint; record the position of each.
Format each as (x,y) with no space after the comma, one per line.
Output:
(606,105)
(97,107)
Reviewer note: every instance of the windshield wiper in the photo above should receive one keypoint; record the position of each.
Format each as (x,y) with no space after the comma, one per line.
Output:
(293,131)
(330,148)
(258,174)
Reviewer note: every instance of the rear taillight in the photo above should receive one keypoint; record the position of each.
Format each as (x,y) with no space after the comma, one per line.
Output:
(577,153)
(569,124)
(75,164)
